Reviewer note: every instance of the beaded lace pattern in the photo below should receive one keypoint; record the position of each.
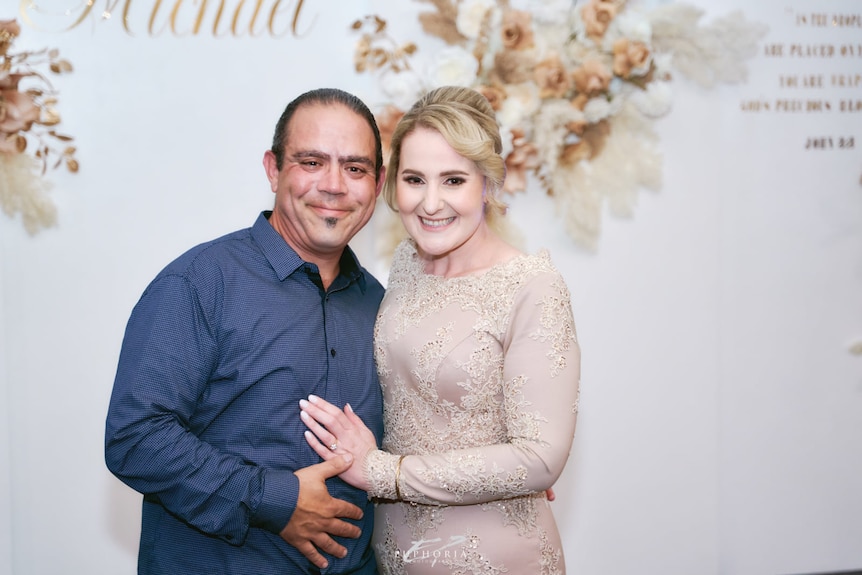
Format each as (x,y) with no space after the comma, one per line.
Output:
(480,380)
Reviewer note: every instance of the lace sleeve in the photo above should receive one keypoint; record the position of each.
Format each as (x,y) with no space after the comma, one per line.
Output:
(539,381)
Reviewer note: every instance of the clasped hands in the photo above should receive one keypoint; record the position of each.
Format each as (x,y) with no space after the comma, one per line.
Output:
(317,518)
(343,441)
(333,432)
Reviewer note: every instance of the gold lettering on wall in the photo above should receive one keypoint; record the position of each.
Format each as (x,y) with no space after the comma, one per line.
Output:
(819,73)
(219,18)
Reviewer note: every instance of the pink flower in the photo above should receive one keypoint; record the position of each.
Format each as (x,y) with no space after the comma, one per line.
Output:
(18,111)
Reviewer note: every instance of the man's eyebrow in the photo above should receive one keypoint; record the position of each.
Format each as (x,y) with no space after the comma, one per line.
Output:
(357,160)
(302,154)
(317,154)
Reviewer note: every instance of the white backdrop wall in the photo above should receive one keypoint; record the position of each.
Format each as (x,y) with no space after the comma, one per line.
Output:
(721,411)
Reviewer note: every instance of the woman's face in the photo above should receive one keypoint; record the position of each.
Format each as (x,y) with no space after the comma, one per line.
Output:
(439,194)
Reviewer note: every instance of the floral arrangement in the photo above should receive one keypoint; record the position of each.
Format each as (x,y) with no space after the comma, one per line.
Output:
(575,86)
(29,141)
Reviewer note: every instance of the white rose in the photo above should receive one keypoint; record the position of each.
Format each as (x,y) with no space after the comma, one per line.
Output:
(597,109)
(453,67)
(522,101)
(634,26)
(547,11)
(508,146)
(470,16)
(402,89)
(655,101)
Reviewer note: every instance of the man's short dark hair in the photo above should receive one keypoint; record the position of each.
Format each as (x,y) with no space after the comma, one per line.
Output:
(325,96)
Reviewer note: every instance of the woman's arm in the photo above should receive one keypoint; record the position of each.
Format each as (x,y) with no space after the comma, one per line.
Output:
(540,387)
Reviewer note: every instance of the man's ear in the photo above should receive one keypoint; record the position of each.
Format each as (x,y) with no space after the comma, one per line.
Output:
(270,164)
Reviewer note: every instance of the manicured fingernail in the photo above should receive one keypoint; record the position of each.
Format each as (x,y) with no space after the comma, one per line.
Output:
(349,408)
(303,415)
(313,398)
(303,403)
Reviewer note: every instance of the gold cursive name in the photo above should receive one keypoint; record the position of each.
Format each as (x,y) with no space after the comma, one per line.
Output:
(275,18)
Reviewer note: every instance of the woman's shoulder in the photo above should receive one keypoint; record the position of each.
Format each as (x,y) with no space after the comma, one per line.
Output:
(528,264)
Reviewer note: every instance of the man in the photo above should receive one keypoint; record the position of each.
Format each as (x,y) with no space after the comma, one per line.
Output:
(225,341)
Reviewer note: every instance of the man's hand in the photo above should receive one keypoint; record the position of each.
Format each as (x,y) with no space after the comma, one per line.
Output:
(316,517)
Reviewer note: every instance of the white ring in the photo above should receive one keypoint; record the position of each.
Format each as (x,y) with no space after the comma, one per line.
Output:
(333,447)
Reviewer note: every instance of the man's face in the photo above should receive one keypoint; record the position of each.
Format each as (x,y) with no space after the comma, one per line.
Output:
(326,188)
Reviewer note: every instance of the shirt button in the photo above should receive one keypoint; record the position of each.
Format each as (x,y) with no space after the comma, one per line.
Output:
(332,352)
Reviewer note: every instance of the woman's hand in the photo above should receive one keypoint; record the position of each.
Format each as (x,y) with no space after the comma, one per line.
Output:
(332,432)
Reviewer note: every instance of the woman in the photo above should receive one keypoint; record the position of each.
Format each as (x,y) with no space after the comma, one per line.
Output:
(478,359)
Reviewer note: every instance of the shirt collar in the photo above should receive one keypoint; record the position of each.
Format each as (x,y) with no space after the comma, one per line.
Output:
(284,259)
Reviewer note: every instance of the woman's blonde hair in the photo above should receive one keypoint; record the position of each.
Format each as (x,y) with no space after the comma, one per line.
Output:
(466,121)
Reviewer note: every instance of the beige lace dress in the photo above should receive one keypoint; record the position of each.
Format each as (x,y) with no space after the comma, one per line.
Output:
(480,381)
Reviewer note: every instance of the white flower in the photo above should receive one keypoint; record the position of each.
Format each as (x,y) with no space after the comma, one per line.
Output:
(453,67)
(597,109)
(522,101)
(663,63)
(508,146)
(655,101)
(470,16)
(402,88)
(634,26)
(545,11)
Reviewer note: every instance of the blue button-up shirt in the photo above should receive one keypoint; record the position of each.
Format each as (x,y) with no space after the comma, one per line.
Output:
(204,417)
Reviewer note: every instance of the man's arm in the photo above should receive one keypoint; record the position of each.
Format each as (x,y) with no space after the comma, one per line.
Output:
(168,352)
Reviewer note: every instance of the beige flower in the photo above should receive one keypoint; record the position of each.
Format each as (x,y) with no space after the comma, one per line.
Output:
(591,79)
(551,77)
(511,67)
(589,144)
(630,57)
(18,111)
(369,57)
(386,122)
(12,143)
(494,94)
(9,30)
(471,17)
(597,16)
(523,158)
(10,27)
(577,127)
(10,81)
(517,30)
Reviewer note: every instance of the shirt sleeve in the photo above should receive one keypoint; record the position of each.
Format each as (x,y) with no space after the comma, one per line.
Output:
(169,350)
(540,392)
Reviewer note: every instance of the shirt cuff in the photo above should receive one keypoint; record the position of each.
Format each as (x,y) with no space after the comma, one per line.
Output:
(280,493)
